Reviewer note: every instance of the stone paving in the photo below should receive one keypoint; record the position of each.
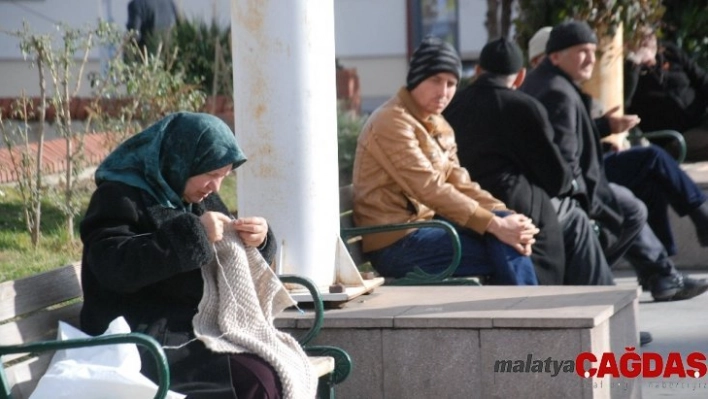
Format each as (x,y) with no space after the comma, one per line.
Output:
(676,327)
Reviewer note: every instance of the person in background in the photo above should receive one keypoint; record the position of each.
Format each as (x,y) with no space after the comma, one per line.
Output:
(555,82)
(406,169)
(151,20)
(537,45)
(654,177)
(149,228)
(504,140)
(669,91)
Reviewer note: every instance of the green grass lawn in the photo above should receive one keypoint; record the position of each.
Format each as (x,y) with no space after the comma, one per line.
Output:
(17,256)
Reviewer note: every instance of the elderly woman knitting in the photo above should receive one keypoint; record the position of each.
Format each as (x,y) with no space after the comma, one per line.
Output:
(155,233)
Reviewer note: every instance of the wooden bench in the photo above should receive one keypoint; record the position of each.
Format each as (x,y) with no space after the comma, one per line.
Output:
(351,236)
(31,307)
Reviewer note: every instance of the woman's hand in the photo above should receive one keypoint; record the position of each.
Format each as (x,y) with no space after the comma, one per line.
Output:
(214,223)
(252,230)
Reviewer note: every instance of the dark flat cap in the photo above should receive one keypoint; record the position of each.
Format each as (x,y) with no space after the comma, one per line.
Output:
(569,34)
(501,56)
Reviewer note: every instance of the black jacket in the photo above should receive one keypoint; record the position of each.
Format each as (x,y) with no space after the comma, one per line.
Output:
(504,141)
(673,94)
(502,133)
(142,261)
(578,138)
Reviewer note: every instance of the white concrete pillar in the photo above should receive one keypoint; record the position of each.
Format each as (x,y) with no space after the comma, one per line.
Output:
(286,122)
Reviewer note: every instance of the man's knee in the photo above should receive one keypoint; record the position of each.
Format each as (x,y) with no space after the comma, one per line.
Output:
(633,209)
(575,220)
(656,154)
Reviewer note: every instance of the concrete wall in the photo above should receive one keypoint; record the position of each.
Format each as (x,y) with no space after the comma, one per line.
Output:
(17,76)
(445,342)
(372,36)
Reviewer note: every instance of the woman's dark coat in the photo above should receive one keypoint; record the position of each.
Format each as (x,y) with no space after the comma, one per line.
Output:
(142,261)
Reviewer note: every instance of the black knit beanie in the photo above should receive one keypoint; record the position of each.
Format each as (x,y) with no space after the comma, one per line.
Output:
(569,34)
(432,56)
(502,57)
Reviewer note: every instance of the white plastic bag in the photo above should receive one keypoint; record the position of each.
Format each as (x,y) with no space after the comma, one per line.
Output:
(107,372)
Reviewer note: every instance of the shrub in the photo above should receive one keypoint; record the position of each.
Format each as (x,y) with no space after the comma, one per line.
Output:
(603,16)
(686,24)
(204,55)
(138,90)
(349,126)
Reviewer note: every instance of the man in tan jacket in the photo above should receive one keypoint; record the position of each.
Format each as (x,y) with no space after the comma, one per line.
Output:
(406,169)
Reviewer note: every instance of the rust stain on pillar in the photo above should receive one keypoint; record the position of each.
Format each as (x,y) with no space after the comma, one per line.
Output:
(252,18)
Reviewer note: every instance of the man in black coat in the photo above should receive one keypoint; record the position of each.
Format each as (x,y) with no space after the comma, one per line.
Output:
(504,141)
(621,216)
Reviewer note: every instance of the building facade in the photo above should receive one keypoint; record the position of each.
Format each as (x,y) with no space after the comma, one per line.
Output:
(373,36)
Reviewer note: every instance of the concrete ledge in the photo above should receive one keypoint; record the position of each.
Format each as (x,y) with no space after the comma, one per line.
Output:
(423,342)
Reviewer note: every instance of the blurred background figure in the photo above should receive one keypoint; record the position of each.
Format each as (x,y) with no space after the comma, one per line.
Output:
(667,89)
(537,45)
(152,20)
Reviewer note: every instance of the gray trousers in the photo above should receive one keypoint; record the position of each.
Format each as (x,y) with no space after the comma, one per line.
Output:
(584,258)
(646,253)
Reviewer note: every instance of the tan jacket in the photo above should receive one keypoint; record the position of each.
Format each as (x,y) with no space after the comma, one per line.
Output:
(406,169)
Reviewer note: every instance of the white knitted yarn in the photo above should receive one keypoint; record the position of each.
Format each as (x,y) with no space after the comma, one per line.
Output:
(241,297)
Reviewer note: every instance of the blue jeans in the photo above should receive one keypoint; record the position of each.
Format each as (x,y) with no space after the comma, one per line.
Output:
(656,179)
(430,249)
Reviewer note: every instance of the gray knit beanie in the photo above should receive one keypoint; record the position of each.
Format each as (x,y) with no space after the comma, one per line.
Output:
(432,56)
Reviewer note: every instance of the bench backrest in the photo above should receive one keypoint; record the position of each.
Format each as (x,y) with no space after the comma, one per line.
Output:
(346,220)
(30,309)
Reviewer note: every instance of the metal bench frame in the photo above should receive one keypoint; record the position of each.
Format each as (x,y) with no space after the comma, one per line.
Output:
(31,307)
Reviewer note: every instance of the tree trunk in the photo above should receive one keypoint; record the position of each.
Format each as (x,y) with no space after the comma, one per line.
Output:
(491,22)
(607,83)
(506,18)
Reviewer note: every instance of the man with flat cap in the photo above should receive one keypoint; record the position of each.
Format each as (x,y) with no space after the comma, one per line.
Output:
(406,169)
(621,217)
(504,140)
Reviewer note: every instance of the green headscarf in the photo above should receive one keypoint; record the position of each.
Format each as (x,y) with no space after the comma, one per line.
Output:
(162,157)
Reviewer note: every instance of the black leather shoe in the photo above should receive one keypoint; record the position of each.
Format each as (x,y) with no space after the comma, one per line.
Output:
(664,288)
(644,338)
(692,287)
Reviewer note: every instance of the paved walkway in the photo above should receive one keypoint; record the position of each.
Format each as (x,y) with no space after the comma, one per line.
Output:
(676,327)
(53,157)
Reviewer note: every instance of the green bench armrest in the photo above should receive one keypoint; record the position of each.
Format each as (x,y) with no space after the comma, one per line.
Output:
(316,301)
(418,276)
(635,135)
(147,341)
(342,361)
(670,134)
